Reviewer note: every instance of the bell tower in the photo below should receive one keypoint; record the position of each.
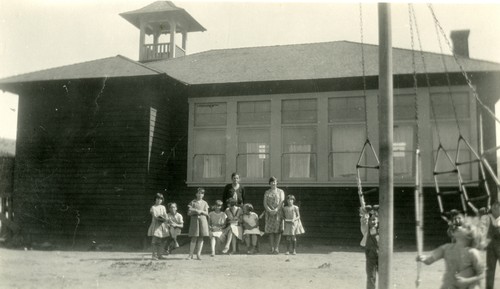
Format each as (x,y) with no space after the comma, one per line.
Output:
(162,17)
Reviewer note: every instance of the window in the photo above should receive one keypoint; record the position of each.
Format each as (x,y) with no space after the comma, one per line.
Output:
(299,111)
(299,153)
(254,112)
(209,160)
(210,114)
(253,154)
(346,116)
(447,131)
(404,136)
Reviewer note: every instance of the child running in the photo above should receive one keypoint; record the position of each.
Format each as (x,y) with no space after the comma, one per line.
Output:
(216,222)
(369,228)
(198,227)
(234,230)
(158,229)
(464,267)
(175,224)
(293,225)
(251,229)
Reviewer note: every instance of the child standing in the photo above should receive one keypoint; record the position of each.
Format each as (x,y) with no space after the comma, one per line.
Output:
(175,224)
(293,225)
(216,222)
(198,227)
(251,229)
(158,229)
(464,267)
(492,225)
(369,228)
(234,230)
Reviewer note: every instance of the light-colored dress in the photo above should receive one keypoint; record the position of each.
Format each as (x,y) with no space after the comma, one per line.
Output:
(198,226)
(234,220)
(157,228)
(251,224)
(465,262)
(273,200)
(295,227)
(176,222)
(217,223)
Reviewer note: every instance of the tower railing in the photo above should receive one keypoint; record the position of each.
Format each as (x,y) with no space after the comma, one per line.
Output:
(160,51)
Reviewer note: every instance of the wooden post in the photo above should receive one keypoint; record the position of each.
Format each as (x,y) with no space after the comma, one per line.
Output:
(386,195)
(184,40)
(173,27)
(142,40)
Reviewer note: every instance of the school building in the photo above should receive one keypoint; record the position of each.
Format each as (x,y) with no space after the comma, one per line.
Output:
(96,140)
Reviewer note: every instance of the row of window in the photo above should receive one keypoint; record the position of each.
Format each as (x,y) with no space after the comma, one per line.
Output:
(215,125)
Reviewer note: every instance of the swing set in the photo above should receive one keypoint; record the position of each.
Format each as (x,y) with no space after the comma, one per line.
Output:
(472,193)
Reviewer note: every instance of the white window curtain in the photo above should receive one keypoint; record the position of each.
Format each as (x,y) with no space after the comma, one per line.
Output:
(212,167)
(300,164)
(255,162)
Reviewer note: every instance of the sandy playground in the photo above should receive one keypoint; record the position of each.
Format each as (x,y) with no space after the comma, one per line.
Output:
(315,266)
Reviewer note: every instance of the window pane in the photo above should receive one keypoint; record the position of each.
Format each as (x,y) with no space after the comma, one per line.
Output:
(299,158)
(299,111)
(209,162)
(210,114)
(403,150)
(254,112)
(404,107)
(253,153)
(342,109)
(443,105)
(346,144)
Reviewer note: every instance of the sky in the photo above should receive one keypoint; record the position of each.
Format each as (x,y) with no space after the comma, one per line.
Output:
(36,34)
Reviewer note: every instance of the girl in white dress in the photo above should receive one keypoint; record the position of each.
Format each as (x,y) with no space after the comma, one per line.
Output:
(158,229)
(293,225)
(251,229)
(216,224)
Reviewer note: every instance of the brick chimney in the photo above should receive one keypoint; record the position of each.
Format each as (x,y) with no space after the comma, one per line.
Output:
(460,40)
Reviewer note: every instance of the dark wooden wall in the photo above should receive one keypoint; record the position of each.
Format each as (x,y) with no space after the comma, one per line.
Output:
(81,158)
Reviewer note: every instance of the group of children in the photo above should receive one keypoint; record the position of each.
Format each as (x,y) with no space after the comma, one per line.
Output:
(235,223)
(465,268)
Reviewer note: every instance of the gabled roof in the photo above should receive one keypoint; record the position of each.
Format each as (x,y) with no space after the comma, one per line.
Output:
(117,66)
(165,9)
(303,61)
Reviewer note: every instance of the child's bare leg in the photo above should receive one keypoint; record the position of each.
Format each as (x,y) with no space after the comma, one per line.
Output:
(248,242)
(277,244)
(154,247)
(233,243)
(288,244)
(200,246)
(192,245)
(254,243)
(176,244)
(271,242)
(294,245)
(228,242)
(212,245)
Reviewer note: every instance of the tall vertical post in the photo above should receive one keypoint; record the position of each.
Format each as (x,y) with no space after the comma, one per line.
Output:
(173,31)
(142,40)
(385,112)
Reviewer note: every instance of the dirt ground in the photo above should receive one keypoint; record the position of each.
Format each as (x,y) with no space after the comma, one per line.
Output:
(313,267)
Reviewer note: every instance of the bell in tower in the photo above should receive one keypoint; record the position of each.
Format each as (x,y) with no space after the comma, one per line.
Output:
(162,17)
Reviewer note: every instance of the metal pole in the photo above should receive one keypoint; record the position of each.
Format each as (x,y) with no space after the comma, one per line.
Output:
(385,112)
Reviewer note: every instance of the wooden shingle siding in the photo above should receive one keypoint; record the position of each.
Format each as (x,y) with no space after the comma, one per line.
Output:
(82,158)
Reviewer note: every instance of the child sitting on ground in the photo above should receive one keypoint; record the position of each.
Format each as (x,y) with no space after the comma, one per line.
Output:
(234,230)
(464,267)
(216,224)
(251,229)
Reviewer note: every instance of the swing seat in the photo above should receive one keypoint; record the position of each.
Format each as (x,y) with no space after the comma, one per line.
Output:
(454,171)
(370,191)
(447,193)
(467,162)
(367,167)
(472,182)
(480,198)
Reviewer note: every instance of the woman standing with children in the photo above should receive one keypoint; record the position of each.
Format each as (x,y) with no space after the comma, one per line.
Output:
(273,204)
(235,191)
